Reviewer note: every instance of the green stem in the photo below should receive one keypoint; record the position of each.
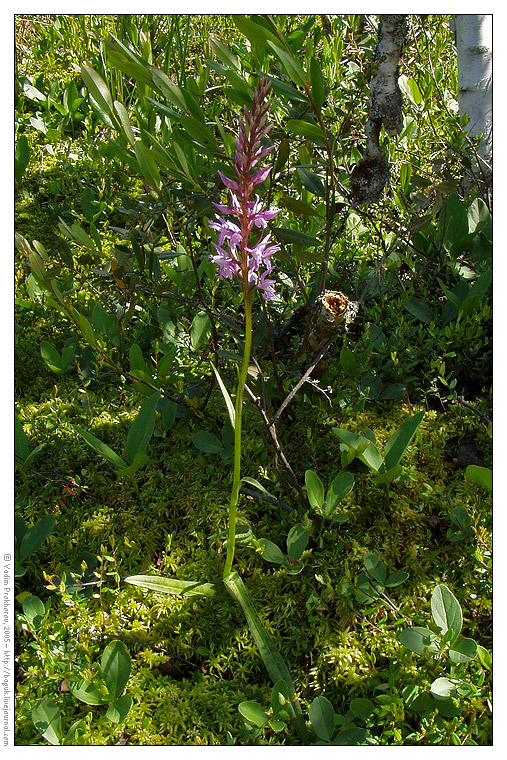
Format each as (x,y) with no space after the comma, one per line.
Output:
(236,483)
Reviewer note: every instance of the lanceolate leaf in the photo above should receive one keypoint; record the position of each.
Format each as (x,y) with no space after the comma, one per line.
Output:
(100,93)
(317,83)
(299,208)
(139,461)
(295,236)
(142,428)
(101,448)
(254,32)
(34,537)
(399,441)
(227,398)
(21,449)
(293,68)
(305,129)
(125,122)
(271,657)
(147,165)
(312,182)
(172,585)
(207,442)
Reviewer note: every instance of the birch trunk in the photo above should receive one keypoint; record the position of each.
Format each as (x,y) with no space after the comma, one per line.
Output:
(474,40)
(371,174)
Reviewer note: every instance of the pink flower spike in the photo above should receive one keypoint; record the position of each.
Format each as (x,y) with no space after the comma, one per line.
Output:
(261,219)
(234,256)
(266,286)
(224,209)
(260,176)
(229,182)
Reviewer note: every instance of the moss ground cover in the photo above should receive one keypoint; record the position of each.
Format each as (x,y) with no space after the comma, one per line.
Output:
(126,244)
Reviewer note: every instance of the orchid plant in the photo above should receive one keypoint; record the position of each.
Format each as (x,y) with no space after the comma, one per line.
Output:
(239,256)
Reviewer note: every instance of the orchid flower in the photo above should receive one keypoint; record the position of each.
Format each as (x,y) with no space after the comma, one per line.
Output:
(235,255)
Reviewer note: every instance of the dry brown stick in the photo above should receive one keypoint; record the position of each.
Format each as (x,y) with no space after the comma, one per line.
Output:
(472,408)
(278,449)
(303,380)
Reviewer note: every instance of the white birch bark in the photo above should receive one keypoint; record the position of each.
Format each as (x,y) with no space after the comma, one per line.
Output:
(474,41)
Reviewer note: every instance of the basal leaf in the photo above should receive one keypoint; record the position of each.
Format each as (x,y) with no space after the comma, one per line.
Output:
(172,585)
(273,661)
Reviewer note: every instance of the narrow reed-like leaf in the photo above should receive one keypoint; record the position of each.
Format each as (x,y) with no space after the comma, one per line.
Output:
(227,398)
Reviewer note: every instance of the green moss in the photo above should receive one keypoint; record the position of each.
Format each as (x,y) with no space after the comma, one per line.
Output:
(334,644)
